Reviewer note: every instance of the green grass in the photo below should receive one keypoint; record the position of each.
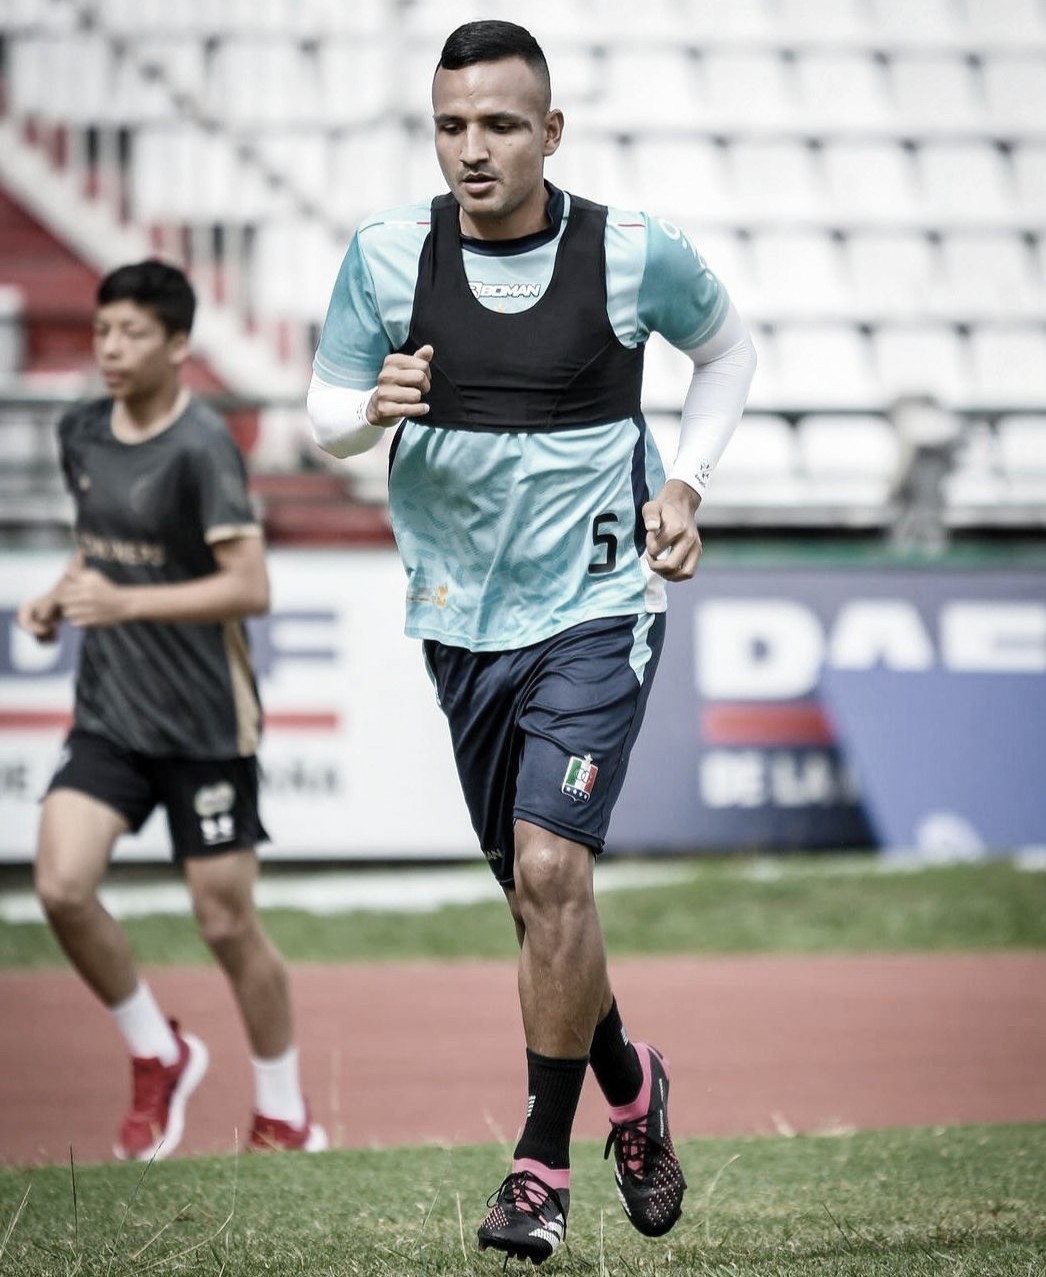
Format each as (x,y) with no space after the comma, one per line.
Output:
(833,904)
(962,1202)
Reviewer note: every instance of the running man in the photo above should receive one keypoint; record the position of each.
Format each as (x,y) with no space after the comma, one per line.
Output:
(169,563)
(499,333)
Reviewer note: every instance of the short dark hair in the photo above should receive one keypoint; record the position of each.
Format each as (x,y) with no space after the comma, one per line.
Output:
(492,40)
(155,286)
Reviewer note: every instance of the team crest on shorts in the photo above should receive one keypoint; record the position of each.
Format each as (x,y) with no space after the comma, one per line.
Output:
(215,805)
(580,778)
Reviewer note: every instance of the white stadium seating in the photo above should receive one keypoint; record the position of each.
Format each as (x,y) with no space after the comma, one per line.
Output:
(868,177)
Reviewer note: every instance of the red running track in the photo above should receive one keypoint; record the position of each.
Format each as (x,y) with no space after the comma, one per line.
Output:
(426,1052)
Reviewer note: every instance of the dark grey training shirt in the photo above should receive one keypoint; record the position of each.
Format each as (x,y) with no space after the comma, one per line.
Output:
(146,514)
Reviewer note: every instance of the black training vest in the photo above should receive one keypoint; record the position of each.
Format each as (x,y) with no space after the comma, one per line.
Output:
(556,365)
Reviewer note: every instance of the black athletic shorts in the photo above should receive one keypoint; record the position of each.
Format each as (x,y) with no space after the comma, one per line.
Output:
(211,804)
(544,733)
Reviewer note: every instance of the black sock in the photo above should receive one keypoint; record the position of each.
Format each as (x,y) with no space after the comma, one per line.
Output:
(553,1090)
(615,1061)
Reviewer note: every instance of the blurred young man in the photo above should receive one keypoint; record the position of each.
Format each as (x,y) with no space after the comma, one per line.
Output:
(499,332)
(169,563)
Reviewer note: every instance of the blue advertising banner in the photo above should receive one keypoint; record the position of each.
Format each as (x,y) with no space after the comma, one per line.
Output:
(823,707)
(797,707)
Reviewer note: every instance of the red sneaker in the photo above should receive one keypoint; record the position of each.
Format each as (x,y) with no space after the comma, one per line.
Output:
(156,1121)
(270,1135)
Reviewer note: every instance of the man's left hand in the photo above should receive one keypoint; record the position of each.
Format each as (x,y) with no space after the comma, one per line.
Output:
(88,598)
(673,543)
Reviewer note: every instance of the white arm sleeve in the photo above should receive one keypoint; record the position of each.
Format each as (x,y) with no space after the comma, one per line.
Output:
(338,417)
(723,370)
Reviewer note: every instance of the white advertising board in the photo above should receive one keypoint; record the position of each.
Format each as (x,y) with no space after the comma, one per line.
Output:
(356,756)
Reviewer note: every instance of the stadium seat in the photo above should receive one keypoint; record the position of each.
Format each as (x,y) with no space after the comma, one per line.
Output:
(869,183)
(577,77)
(193,175)
(1029,180)
(73,82)
(964,183)
(1013,24)
(921,359)
(12,342)
(759,467)
(431,20)
(661,22)
(975,490)
(263,82)
(799,273)
(775,181)
(894,274)
(812,22)
(387,157)
(357,80)
(419,176)
(597,166)
(61,78)
(1008,365)
(991,275)
(648,87)
(23,16)
(295,265)
(362,18)
(1015,93)
(746,91)
(766,393)
(179,63)
(934,93)
(900,24)
(301,158)
(842,91)
(849,460)
(144,18)
(739,22)
(824,365)
(1022,457)
(685,181)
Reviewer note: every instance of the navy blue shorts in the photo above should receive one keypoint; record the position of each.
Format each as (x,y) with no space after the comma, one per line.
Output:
(211,804)
(544,733)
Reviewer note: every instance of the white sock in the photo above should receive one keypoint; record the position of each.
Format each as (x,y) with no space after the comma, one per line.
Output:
(277,1088)
(144,1026)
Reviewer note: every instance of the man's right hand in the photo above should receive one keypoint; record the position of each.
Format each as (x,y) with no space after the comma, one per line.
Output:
(402,383)
(40,618)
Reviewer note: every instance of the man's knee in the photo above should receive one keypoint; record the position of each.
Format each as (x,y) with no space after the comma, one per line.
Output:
(222,892)
(62,892)
(223,925)
(551,872)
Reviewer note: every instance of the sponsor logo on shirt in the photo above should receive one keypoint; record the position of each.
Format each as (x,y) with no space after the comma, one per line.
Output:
(438,596)
(133,553)
(505,290)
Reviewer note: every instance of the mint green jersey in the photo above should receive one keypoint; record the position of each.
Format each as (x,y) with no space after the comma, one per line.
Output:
(509,537)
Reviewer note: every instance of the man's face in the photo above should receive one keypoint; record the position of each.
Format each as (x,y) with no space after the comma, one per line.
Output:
(493,132)
(134,352)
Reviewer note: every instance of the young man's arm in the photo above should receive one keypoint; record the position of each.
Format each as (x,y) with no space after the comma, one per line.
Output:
(238,588)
